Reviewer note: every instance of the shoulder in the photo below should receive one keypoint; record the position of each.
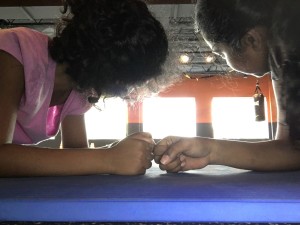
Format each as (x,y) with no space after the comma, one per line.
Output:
(19,33)
(20,41)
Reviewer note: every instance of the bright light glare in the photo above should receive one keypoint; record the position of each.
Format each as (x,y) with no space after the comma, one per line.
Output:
(184,58)
(169,116)
(110,123)
(210,58)
(234,118)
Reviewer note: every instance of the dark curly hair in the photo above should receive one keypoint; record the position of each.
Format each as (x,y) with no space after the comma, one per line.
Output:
(285,60)
(109,46)
(227,21)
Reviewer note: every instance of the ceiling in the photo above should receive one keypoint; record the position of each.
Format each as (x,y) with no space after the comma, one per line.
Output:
(177,16)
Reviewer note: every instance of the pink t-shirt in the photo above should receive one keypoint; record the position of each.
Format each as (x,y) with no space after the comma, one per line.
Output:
(36,121)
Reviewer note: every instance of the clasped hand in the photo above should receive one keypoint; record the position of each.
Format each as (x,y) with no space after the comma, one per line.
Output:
(133,155)
(175,154)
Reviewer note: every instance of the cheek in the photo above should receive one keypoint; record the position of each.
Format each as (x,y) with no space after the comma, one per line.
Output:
(256,65)
(236,64)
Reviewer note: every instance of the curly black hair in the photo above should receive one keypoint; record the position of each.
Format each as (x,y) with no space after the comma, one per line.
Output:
(109,46)
(285,60)
(227,21)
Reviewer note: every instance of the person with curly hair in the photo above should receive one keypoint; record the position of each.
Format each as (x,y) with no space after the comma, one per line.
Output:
(240,31)
(102,48)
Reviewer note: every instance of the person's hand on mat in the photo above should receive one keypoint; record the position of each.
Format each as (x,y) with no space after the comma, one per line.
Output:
(175,154)
(132,155)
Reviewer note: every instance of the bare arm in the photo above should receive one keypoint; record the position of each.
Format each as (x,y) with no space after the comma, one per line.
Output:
(130,156)
(11,91)
(180,154)
(73,132)
(177,154)
(261,156)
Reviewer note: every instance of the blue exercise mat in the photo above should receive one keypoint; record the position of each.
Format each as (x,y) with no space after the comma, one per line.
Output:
(213,194)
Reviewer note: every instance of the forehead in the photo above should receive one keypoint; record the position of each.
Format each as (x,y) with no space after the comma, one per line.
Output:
(217,47)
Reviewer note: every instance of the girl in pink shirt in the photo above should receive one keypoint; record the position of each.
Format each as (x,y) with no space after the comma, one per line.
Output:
(102,48)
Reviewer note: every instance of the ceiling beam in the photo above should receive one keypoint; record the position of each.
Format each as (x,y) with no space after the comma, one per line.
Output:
(171,2)
(11,3)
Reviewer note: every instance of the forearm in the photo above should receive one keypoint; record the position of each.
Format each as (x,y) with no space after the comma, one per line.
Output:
(260,156)
(18,160)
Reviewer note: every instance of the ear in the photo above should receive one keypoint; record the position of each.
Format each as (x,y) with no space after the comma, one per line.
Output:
(256,39)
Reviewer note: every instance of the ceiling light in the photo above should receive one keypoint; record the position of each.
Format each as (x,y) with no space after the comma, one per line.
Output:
(210,58)
(184,58)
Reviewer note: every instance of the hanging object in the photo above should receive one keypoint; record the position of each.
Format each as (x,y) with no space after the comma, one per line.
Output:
(259,103)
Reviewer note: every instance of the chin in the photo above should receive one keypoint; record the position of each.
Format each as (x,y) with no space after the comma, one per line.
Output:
(261,74)
(255,74)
